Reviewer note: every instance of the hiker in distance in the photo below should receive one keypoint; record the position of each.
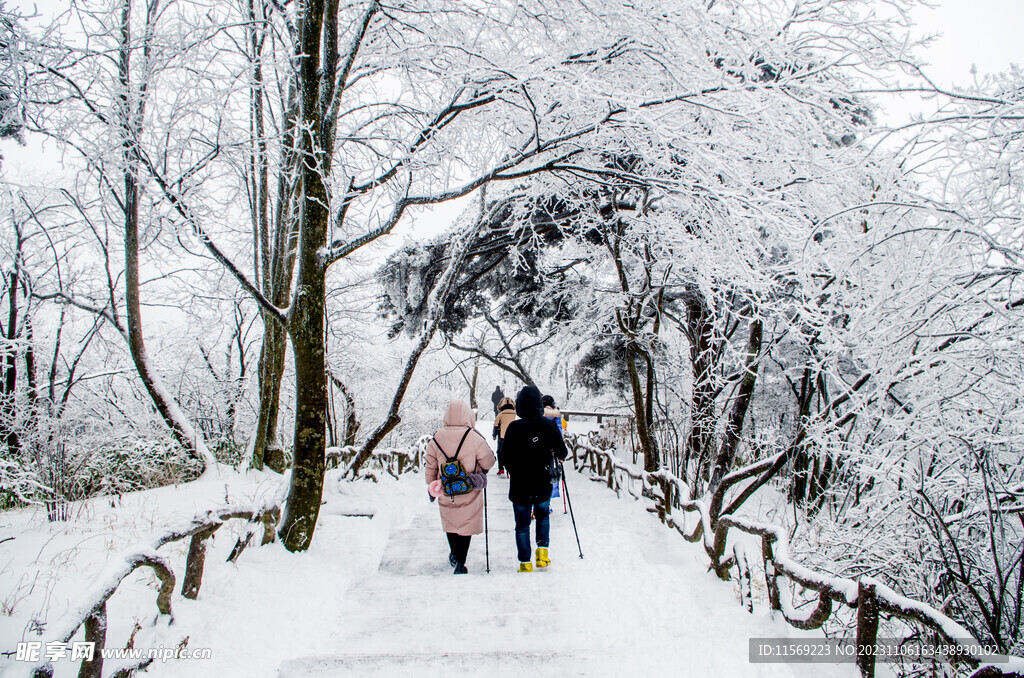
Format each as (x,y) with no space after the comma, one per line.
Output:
(506,415)
(553,413)
(496,398)
(457,461)
(532,447)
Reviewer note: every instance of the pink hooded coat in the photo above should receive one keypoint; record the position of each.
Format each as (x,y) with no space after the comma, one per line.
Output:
(464,513)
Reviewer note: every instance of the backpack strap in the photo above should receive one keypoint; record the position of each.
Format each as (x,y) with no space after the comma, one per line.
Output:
(457,449)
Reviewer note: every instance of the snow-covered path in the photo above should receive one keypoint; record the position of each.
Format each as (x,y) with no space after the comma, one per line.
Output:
(640,603)
(374,595)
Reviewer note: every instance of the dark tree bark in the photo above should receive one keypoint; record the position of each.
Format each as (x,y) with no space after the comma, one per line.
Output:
(740,405)
(267,448)
(192,581)
(351,430)
(630,319)
(641,401)
(801,458)
(867,628)
(95,633)
(274,256)
(8,408)
(699,323)
(130,114)
(472,386)
(306,324)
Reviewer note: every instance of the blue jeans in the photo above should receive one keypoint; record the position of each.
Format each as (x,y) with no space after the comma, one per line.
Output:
(541,511)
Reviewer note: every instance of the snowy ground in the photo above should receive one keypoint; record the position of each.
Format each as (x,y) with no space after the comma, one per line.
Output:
(374,595)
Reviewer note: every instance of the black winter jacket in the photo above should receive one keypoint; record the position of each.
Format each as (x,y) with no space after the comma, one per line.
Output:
(530,442)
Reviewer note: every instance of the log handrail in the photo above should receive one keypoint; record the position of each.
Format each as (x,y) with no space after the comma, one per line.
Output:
(598,415)
(867,595)
(90,610)
(393,461)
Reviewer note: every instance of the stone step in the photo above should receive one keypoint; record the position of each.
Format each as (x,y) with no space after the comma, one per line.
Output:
(493,664)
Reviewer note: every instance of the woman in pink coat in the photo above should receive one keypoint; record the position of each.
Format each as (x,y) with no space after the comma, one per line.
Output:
(462,515)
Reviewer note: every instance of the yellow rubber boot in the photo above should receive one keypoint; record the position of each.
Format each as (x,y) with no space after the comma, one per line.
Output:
(542,557)
(526,567)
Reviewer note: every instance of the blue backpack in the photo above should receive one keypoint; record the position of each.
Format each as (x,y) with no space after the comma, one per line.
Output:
(454,479)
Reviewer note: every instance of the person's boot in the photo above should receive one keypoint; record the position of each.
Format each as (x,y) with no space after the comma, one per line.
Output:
(526,567)
(542,557)
(460,568)
(453,560)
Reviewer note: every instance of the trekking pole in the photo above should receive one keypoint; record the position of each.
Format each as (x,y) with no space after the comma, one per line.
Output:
(487,550)
(565,486)
(562,480)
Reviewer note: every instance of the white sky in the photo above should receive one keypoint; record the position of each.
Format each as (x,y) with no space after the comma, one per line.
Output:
(982,32)
(985,33)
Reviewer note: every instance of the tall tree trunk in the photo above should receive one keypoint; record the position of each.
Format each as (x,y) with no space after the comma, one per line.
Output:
(801,458)
(30,372)
(306,324)
(348,436)
(317,80)
(702,399)
(274,449)
(744,394)
(131,114)
(629,321)
(169,411)
(236,384)
(310,441)
(272,260)
(267,447)
(9,412)
(642,412)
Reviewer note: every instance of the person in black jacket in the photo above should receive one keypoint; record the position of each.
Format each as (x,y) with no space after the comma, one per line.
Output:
(496,398)
(530,444)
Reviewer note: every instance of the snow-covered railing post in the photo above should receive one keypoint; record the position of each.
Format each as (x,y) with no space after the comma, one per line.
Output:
(163,572)
(721,567)
(195,563)
(771,582)
(867,628)
(664,499)
(743,575)
(95,633)
(90,610)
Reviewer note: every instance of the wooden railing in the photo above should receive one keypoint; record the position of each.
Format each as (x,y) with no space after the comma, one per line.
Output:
(867,596)
(392,461)
(90,610)
(598,415)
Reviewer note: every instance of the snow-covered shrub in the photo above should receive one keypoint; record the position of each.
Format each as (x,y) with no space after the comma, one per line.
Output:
(135,465)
